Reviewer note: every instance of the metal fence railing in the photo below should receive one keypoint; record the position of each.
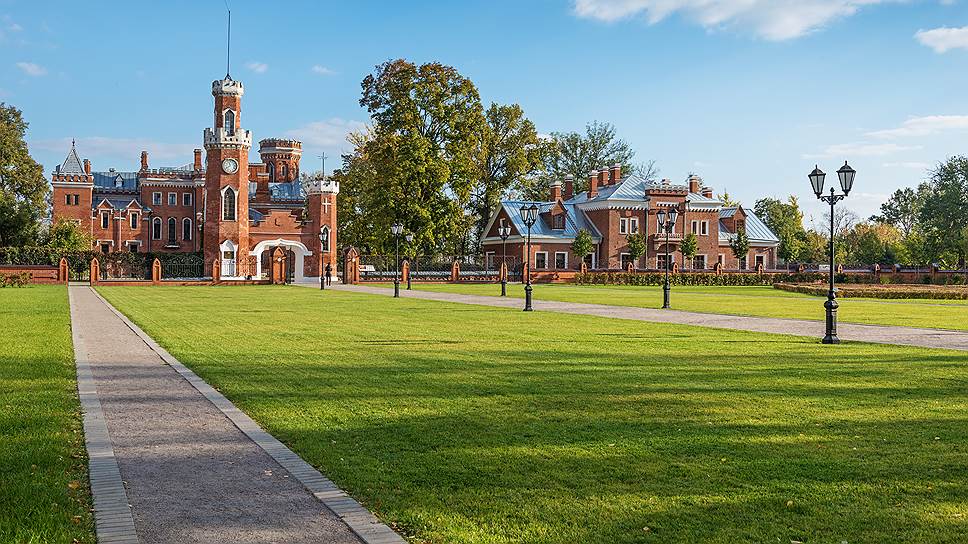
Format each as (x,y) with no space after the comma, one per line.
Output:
(189,269)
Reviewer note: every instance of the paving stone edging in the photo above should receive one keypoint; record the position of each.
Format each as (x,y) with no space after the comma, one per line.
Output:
(113,521)
(360,520)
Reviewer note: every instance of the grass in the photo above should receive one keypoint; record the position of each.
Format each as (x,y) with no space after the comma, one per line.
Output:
(44,493)
(755,301)
(460,423)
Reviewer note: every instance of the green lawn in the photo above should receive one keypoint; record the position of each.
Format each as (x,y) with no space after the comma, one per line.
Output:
(462,423)
(755,301)
(44,493)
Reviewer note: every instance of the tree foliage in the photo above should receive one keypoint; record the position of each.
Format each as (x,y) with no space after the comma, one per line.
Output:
(944,213)
(740,243)
(66,235)
(786,221)
(903,208)
(23,188)
(636,245)
(690,245)
(582,244)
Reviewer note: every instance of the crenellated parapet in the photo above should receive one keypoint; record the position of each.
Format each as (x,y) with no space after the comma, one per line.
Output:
(219,137)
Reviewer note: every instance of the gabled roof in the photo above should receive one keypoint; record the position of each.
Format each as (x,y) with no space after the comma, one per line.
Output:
(109,180)
(628,188)
(575,221)
(756,230)
(72,164)
(118,203)
(696,198)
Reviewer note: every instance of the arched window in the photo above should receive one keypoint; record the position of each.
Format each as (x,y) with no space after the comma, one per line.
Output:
(186,229)
(156,228)
(172,230)
(285,172)
(271,168)
(324,238)
(230,122)
(228,204)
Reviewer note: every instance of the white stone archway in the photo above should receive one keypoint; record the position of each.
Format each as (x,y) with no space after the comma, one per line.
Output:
(228,255)
(297,248)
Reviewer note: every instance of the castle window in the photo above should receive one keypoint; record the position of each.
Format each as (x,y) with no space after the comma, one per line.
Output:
(559,221)
(228,204)
(271,169)
(172,230)
(134,220)
(704,228)
(230,122)
(77,200)
(561,260)
(285,172)
(67,200)
(104,220)
(324,238)
(633,225)
(186,199)
(623,226)
(541,260)
(186,229)
(172,199)
(156,199)
(156,228)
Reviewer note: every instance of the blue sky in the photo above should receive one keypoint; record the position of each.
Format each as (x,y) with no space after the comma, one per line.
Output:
(749,94)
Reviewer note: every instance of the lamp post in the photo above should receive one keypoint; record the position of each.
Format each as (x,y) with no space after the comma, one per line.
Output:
(667,222)
(504,232)
(846,175)
(529,214)
(409,238)
(322,244)
(396,229)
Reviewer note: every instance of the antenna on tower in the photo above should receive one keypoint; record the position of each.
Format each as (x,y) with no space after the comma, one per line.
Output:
(323,158)
(228,41)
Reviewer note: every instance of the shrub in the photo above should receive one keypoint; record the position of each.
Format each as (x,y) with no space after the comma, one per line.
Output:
(876,291)
(21,279)
(699,279)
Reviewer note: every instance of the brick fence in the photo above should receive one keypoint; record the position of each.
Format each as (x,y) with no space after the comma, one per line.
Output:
(41,274)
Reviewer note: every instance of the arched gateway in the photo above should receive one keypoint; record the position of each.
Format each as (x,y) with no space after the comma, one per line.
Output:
(296,248)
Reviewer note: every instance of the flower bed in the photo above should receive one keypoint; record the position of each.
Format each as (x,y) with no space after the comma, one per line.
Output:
(692,278)
(947,292)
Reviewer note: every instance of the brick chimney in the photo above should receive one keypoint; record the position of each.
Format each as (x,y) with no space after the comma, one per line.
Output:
(144,160)
(87,167)
(615,173)
(707,192)
(569,187)
(695,182)
(603,177)
(198,160)
(592,184)
(555,192)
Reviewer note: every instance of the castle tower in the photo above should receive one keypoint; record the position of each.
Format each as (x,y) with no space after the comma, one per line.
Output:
(281,158)
(226,181)
(73,190)
(321,206)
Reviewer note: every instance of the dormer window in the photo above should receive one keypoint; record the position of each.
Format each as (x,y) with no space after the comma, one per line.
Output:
(119,181)
(558,221)
(229,122)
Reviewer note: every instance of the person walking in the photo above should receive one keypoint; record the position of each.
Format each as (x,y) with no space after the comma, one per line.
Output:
(329,274)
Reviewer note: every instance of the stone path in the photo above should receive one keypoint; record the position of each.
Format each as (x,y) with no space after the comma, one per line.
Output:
(879,334)
(195,469)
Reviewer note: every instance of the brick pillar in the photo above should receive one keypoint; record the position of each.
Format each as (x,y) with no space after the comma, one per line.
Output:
(718,268)
(156,271)
(630,268)
(454,272)
(503,272)
(583,267)
(675,268)
(95,271)
(404,270)
(62,272)
(216,270)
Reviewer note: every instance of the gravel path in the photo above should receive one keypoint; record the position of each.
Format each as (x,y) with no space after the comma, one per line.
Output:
(879,334)
(191,476)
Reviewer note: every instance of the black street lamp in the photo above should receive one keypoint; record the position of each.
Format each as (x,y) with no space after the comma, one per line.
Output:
(504,232)
(409,238)
(666,223)
(846,175)
(396,229)
(322,244)
(529,214)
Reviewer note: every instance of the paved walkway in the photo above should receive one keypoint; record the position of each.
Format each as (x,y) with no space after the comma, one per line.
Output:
(195,469)
(879,334)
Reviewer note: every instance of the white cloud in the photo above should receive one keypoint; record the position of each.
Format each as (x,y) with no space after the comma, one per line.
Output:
(771,19)
(923,126)
(32,69)
(14,27)
(95,146)
(322,70)
(329,133)
(860,149)
(943,39)
(257,67)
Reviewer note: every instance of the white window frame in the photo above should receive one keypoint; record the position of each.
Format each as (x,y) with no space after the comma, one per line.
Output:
(134,246)
(105,220)
(695,226)
(662,256)
(704,228)
(565,267)
(235,204)
(633,225)
(156,223)
(172,229)
(172,199)
(622,257)
(67,199)
(545,255)
(187,222)
(325,242)
(186,199)
(156,199)
(230,128)
(758,259)
(705,262)
(721,259)
(489,257)
(623,225)
(133,217)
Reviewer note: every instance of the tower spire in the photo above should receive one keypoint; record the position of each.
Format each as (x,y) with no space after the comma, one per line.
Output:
(228,42)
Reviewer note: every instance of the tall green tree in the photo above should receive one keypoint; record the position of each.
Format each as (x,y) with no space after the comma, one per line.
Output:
(66,235)
(944,214)
(903,208)
(23,188)
(427,125)
(727,200)
(582,244)
(690,246)
(636,246)
(510,151)
(740,244)
(786,221)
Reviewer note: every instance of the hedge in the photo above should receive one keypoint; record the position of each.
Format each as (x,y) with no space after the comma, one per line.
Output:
(874,291)
(658,278)
(20,279)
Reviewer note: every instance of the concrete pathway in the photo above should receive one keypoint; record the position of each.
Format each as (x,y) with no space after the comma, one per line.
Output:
(194,468)
(879,334)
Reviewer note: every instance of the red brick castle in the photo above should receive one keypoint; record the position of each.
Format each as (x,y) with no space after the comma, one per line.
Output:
(234,211)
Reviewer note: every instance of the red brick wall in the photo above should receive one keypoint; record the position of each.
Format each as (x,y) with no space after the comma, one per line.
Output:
(217,230)
(38,274)
(81,212)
